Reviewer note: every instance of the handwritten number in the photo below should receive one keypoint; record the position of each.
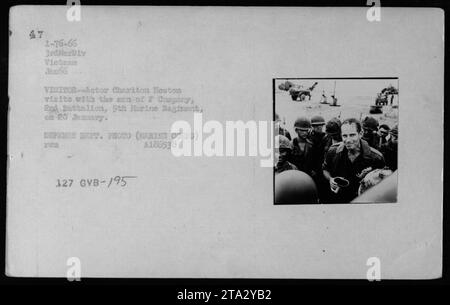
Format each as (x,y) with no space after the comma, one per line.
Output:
(34,36)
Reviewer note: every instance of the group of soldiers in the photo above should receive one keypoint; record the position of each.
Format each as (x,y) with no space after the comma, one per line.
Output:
(338,155)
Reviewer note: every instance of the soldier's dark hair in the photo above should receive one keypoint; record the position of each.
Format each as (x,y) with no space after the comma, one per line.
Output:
(353,121)
(384,126)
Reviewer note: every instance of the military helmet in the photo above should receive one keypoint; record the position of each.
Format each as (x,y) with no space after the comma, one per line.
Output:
(283,142)
(302,123)
(370,123)
(294,186)
(333,126)
(317,120)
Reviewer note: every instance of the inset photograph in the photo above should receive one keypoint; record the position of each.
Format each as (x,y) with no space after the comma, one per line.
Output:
(336,140)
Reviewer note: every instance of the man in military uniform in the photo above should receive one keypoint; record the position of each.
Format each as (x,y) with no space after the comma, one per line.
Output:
(370,127)
(352,160)
(383,134)
(283,152)
(317,134)
(317,137)
(333,136)
(302,155)
(390,149)
(333,133)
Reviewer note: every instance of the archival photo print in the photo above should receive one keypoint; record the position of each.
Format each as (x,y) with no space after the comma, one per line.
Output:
(336,140)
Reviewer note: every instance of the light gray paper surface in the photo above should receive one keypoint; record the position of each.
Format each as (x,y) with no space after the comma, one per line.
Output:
(209,216)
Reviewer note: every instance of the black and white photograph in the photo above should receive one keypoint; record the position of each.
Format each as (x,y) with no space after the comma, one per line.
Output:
(336,140)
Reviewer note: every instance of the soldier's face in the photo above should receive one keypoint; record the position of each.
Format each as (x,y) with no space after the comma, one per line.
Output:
(302,133)
(383,132)
(351,136)
(280,154)
(367,132)
(318,128)
(276,155)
